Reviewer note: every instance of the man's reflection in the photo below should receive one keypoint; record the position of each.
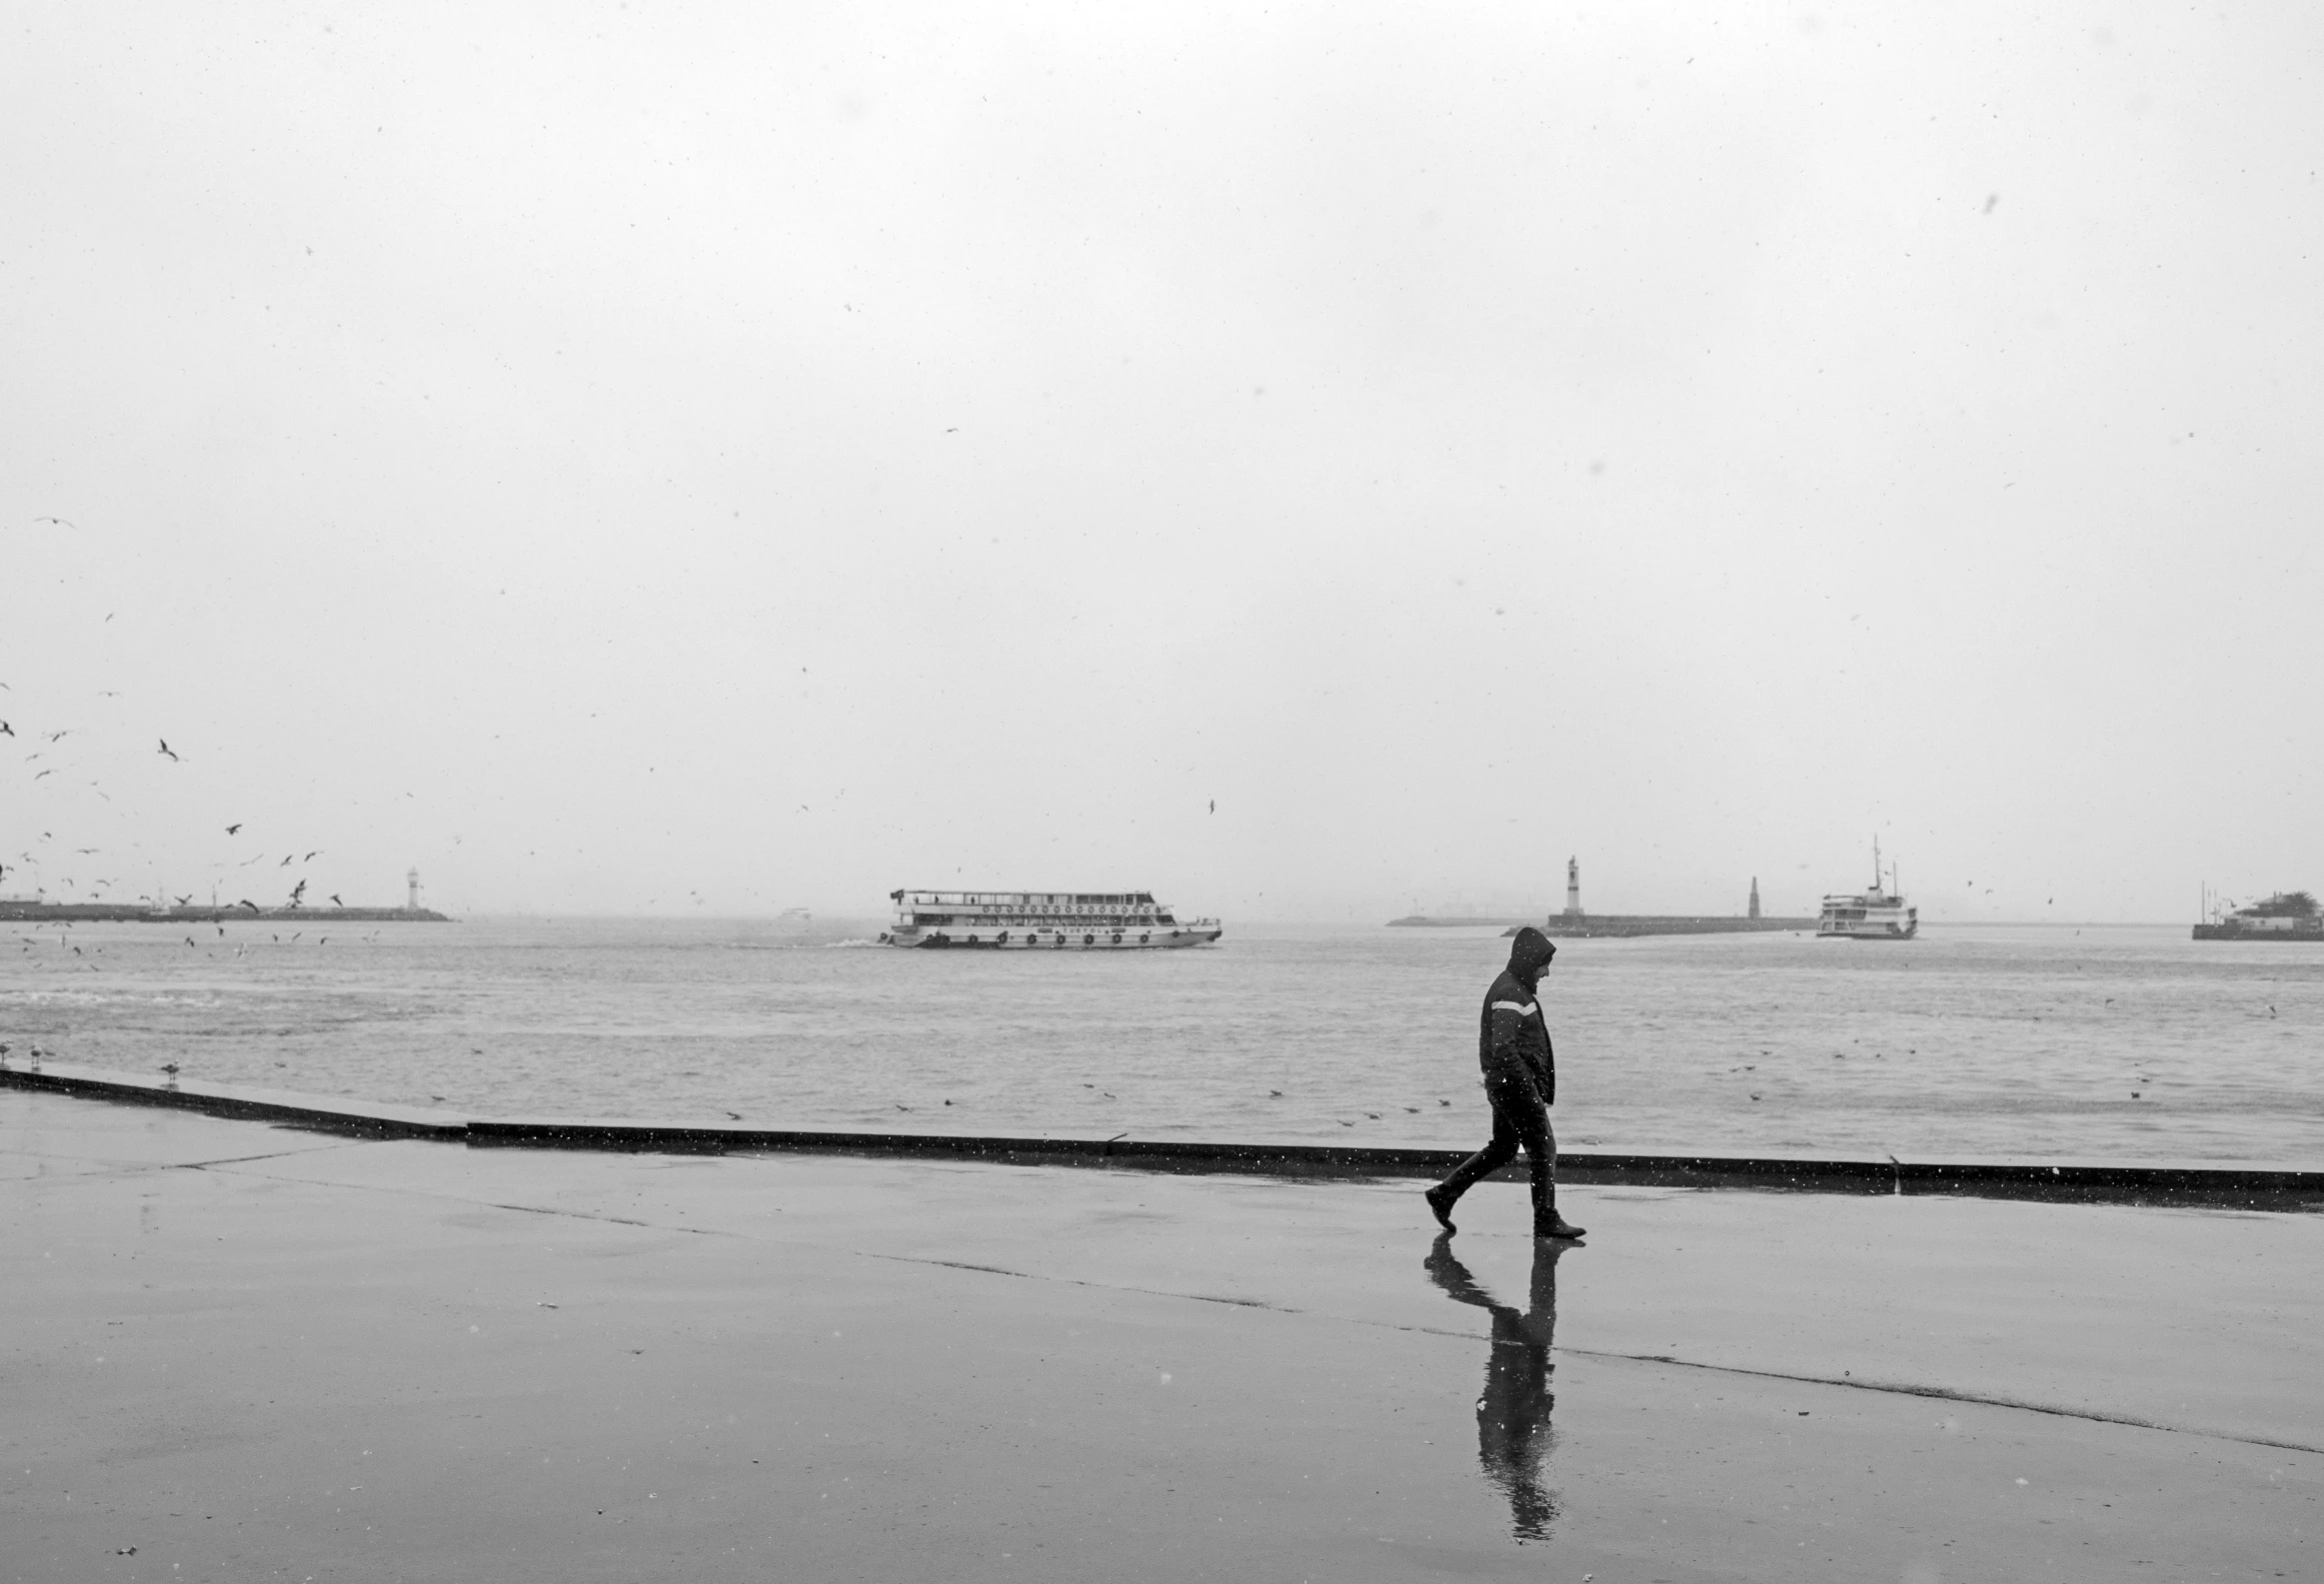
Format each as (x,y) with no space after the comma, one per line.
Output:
(1512,1417)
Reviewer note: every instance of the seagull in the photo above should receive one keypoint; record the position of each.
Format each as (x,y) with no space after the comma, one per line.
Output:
(310,857)
(6,729)
(183,901)
(54,736)
(247,902)
(61,522)
(285,863)
(336,902)
(165,748)
(1214,806)
(230,830)
(298,891)
(44,773)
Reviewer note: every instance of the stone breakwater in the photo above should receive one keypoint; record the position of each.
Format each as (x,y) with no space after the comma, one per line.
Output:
(132,912)
(1616,927)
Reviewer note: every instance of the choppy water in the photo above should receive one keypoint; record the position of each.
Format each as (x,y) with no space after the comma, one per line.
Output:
(1994,1043)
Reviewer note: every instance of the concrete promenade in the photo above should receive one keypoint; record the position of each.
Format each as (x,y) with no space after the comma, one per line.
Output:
(254,1352)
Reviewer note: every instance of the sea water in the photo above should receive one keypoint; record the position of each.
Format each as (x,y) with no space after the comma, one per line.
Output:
(2040,1041)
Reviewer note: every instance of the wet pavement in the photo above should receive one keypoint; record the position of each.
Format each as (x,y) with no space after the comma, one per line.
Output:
(253,1352)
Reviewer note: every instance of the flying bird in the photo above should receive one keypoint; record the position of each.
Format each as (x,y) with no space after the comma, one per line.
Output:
(285,863)
(183,901)
(59,521)
(1214,806)
(335,901)
(54,736)
(230,830)
(247,902)
(6,729)
(165,748)
(44,773)
(310,857)
(298,891)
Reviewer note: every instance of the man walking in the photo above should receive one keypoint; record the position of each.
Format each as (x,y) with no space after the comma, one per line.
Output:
(1520,1083)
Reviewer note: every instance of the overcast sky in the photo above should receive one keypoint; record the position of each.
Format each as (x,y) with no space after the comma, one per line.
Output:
(729,458)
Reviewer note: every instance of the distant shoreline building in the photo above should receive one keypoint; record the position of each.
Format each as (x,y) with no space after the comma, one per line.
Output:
(1573,888)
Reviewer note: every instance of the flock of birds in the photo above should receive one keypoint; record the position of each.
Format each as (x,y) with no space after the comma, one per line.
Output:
(36,860)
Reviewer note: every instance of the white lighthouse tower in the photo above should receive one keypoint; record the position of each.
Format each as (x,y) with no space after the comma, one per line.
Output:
(411,891)
(1573,888)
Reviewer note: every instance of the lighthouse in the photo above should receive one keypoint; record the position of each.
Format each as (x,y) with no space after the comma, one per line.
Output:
(411,891)
(1573,888)
(1754,897)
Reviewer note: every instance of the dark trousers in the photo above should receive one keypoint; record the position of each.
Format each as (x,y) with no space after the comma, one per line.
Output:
(1519,1118)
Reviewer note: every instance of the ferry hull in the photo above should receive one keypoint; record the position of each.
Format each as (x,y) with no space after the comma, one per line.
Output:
(1868,929)
(2238,932)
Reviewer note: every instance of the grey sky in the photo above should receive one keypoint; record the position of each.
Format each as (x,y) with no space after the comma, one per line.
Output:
(735,457)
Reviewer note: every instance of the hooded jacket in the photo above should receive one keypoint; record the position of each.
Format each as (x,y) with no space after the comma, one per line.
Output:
(1511,1032)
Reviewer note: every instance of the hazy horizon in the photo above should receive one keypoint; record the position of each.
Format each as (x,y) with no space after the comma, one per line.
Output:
(1314,465)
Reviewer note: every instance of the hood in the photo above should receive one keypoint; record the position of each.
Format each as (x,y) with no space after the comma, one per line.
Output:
(1529,954)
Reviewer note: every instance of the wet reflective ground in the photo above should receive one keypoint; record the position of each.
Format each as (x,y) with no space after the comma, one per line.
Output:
(251,1352)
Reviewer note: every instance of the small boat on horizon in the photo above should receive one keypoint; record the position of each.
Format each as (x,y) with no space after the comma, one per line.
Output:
(1042,921)
(2287,915)
(1877,914)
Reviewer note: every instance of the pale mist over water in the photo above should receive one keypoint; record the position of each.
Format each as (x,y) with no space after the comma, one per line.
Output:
(2034,1042)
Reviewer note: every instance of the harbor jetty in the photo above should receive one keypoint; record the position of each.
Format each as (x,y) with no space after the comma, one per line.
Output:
(1575,924)
(151,910)
(23,913)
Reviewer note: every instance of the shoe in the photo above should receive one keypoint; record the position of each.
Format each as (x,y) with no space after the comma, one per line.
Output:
(1559,1227)
(1440,1207)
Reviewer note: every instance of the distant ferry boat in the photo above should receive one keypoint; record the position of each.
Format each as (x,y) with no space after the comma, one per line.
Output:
(1876,914)
(1042,921)
(2287,915)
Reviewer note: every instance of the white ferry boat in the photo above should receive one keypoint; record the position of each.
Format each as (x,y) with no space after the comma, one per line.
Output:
(1876,914)
(1042,921)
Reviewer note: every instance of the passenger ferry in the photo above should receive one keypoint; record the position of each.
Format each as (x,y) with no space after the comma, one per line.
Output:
(1042,921)
(1876,914)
